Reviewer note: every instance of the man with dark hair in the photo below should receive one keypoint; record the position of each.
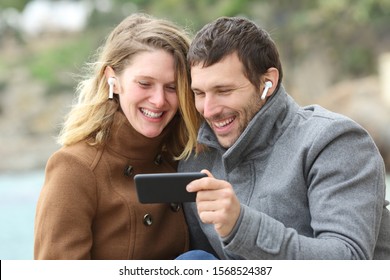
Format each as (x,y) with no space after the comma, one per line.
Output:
(284,181)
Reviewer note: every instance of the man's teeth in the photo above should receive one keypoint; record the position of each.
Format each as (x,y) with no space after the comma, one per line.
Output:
(224,123)
(151,114)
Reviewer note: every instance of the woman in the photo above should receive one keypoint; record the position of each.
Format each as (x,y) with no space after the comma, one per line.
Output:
(126,121)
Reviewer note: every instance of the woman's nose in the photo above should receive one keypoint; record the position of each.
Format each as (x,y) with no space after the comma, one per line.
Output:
(157,97)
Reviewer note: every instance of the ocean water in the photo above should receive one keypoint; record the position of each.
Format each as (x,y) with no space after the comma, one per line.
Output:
(18,197)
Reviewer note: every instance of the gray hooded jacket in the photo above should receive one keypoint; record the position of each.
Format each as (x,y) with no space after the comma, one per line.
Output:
(311,185)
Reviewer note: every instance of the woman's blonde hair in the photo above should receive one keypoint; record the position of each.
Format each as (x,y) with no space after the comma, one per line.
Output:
(92,116)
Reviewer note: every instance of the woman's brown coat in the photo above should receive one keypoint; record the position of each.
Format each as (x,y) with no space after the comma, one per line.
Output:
(88,207)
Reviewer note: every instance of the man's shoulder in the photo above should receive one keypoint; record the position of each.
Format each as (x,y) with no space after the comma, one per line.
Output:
(320,118)
(317,111)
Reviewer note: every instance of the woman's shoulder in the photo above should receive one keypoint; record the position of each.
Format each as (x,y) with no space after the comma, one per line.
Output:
(79,153)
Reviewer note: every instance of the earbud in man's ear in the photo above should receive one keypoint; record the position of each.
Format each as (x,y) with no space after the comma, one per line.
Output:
(267,86)
(111,82)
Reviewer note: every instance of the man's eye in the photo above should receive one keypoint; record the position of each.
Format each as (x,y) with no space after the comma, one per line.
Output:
(198,93)
(224,91)
(171,88)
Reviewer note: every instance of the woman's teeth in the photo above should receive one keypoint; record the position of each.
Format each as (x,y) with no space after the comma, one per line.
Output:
(151,114)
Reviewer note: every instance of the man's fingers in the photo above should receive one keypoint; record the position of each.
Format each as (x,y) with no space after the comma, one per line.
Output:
(207,205)
(206,183)
(207,172)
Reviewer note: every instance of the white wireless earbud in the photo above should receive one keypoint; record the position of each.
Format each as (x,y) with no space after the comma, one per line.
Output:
(267,86)
(111,82)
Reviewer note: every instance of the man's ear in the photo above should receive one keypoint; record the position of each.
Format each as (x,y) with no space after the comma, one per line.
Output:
(269,82)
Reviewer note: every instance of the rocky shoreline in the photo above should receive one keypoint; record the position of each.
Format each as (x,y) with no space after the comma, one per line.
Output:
(29,122)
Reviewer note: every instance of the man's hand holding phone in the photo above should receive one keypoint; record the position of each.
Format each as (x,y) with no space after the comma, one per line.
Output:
(216,202)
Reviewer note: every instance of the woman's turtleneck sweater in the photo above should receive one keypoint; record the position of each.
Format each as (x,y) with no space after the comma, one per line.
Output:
(88,207)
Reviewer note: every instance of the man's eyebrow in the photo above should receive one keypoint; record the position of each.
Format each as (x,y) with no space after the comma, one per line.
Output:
(216,87)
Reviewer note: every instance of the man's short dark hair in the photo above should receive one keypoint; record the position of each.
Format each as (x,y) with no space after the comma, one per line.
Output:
(226,35)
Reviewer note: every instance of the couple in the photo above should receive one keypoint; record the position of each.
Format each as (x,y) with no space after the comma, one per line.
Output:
(284,181)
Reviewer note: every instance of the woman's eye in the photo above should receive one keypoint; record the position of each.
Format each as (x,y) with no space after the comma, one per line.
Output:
(143,83)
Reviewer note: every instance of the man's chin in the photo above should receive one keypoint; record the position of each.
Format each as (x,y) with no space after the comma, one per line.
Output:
(225,142)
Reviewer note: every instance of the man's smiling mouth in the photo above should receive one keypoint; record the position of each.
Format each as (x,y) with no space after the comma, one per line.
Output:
(223,123)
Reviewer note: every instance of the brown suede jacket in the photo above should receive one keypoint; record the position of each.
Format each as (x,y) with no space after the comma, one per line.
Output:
(88,207)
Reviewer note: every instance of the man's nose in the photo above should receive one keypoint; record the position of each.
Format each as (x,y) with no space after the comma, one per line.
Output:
(210,106)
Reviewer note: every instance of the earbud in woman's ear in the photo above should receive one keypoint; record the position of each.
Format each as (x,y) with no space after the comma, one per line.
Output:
(111,82)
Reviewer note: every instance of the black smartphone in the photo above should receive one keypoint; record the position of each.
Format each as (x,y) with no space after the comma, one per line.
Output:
(165,187)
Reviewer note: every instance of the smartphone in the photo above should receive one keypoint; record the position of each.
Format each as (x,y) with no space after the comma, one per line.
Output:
(165,187)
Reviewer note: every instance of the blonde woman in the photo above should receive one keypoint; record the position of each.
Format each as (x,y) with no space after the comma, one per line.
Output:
(127,121)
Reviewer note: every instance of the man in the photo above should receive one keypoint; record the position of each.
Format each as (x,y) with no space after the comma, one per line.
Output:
(284,181)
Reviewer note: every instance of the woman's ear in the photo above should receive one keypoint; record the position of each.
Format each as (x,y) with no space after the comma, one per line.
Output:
(109,73)
(269,82)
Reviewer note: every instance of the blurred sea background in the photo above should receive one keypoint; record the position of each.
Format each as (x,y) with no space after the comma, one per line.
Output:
(334,53)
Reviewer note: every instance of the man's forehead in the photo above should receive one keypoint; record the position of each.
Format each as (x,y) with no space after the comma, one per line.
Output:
(220,74)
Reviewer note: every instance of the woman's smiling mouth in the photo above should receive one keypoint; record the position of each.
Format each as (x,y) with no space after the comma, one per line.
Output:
(151,114)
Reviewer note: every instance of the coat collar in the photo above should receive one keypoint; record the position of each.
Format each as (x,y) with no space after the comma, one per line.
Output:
(262,131)
(126,141)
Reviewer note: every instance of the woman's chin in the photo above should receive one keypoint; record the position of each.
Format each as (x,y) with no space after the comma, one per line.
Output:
(151,133)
